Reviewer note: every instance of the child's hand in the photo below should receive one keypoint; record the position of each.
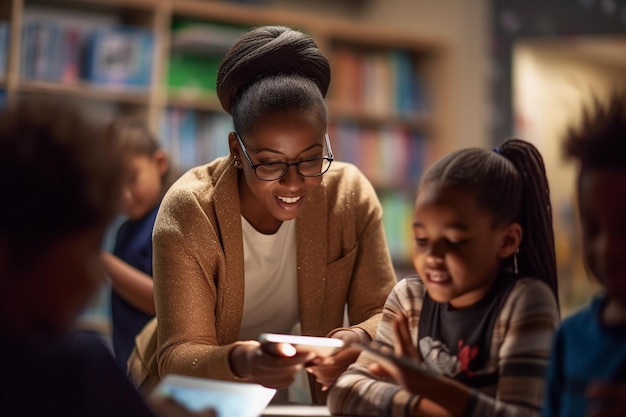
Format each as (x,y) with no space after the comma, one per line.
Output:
(404,344)
(327,370)
(609,400)
(405,367)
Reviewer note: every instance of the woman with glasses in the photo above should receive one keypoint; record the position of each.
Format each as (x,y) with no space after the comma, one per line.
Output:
(275,236)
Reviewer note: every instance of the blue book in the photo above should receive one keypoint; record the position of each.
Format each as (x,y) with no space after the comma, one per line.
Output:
(188,139)
(119,56)
(404,89)
(5,28)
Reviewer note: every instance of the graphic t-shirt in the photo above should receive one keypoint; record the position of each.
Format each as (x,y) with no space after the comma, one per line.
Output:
(456,342)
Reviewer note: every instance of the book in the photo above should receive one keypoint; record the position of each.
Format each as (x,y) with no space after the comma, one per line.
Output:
(5,30)
(119,56)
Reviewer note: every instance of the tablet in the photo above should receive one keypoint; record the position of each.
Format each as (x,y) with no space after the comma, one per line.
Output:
(227,398)
(322,346)
(385,353)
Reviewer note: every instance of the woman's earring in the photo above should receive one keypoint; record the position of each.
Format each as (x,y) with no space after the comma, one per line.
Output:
(515,261)
(235,162)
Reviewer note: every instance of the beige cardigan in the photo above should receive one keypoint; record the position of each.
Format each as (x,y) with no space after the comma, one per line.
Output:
(342,257)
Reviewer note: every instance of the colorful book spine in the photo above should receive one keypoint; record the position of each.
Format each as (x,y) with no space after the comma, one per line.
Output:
(50,51)
(194,138)
(385,83)
(5,30)
(391,157)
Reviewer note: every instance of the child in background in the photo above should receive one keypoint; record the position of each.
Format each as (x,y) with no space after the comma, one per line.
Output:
(587,374)
(130,265)
(62,186)
(482,311)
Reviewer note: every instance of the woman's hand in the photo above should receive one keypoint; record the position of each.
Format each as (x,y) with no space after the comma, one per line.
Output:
(271,365)
(327,370)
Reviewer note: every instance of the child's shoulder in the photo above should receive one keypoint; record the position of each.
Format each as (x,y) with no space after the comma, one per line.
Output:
(530,295)
(412,280)
(528,284)
(412,284)
(587,314)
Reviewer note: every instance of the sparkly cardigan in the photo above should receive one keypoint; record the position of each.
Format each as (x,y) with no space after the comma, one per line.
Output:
(342,258)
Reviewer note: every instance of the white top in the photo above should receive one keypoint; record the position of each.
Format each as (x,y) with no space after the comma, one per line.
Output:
(271,281)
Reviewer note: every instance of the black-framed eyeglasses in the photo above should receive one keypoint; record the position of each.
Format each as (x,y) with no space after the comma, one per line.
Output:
(273,171)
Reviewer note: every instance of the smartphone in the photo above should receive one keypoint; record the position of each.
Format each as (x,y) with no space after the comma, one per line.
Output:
(385,353)
(322,346)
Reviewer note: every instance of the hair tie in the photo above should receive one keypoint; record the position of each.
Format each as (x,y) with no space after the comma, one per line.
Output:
(496,150)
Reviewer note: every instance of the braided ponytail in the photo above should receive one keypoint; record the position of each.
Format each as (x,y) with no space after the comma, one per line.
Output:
(536,253)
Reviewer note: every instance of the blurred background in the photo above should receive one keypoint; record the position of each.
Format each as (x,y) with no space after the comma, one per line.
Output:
(411,81)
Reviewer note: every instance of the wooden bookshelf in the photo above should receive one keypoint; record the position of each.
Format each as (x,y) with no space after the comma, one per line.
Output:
(85,90)
(378,109)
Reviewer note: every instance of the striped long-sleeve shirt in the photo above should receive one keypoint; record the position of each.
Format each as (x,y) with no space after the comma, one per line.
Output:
(517,356)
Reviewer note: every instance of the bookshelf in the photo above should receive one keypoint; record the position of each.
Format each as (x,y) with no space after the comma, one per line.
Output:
(386,98)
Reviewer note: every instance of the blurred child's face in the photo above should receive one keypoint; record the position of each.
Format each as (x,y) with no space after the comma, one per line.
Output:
(143,186)
(602,203)
(288,136)
(458,250)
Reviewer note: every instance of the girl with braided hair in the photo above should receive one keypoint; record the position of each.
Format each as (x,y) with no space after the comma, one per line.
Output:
(273,235)
(476,323)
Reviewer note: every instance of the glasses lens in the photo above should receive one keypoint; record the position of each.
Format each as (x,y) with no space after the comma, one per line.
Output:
(271,171)
(308,168)
(313,167)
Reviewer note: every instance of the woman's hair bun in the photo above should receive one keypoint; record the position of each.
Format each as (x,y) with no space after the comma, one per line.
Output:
(269,50)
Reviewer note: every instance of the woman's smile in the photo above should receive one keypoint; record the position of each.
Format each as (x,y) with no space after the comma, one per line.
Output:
(290,203)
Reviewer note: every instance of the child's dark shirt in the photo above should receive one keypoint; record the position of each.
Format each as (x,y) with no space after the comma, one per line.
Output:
(133,245)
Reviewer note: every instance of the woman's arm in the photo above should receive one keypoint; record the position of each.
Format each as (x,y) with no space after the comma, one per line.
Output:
(134,285)
(187,257)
